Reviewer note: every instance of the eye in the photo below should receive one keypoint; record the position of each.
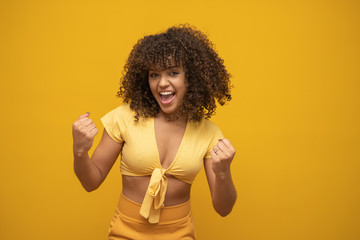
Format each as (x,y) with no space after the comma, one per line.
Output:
(153,75)
(174,73)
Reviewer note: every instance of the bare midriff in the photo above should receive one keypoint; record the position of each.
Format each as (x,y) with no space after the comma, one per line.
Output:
(134,188)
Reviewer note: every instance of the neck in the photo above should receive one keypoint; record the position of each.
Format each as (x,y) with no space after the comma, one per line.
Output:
(172,118)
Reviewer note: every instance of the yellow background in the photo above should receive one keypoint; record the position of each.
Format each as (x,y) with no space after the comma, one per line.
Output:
(294,118)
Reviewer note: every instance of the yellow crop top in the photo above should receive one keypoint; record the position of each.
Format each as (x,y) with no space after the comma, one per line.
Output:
(140,157)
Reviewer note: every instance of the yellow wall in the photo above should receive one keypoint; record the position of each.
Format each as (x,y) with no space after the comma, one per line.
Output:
(294,118)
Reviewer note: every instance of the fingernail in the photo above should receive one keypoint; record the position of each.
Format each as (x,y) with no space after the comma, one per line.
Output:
(219,139)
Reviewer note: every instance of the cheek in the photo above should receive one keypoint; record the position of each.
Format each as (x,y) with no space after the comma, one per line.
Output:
(152,87)
(182,92)
(184,87)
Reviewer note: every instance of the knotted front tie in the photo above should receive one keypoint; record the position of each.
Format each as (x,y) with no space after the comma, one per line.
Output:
(155,196)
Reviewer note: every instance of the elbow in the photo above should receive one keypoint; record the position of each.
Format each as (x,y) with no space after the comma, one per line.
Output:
(89,188)
(224,212)
(88,184)
(224,209)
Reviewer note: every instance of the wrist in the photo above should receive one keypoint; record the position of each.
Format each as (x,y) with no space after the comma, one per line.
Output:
(79,153)
(223,175)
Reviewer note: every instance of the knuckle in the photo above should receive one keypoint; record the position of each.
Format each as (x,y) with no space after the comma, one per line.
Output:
(77,129)
(88,136)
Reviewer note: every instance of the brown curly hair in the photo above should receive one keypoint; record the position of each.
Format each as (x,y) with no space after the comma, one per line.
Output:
(206,76)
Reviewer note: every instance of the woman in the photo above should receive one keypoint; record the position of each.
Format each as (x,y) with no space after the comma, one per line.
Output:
(170,83)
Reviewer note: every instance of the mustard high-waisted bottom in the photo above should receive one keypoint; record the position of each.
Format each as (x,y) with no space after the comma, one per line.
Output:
(175,223)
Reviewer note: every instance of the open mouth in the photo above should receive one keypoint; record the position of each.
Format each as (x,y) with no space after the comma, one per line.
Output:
(166,97)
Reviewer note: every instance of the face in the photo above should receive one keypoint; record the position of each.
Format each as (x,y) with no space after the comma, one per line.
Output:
(169,88)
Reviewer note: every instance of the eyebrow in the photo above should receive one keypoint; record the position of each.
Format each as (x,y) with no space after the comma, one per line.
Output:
(170,67)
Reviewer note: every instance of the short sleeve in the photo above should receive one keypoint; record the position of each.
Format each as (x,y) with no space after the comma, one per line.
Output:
(216,134)
(115,123)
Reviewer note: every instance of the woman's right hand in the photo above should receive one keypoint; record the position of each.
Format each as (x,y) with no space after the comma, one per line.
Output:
(84,131)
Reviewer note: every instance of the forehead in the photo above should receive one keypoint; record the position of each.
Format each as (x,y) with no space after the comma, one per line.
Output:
(160,66)
(164,61)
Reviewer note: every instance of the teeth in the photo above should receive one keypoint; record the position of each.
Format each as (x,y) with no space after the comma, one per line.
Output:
(166,93)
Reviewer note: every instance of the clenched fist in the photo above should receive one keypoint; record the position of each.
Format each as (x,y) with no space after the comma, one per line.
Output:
(84,131)
(222,156)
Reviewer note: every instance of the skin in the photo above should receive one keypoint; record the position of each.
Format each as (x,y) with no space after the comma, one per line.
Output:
(93,171)
(169,80)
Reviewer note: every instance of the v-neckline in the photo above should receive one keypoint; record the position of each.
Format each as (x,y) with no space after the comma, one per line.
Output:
(157,147)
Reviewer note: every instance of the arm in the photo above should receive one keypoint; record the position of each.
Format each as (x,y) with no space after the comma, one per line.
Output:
(92,171)
(218,174)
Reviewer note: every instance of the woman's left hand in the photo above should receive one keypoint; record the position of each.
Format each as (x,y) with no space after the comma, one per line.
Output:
(222,156)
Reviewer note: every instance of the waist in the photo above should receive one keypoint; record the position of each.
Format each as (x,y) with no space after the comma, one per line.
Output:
(169,214)
(135,187)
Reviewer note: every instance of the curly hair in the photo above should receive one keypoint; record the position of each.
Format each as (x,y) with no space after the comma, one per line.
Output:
(206,76)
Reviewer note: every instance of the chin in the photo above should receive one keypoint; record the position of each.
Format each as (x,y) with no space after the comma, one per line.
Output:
(169,111)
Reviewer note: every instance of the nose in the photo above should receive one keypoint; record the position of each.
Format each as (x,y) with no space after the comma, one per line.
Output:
(164,81)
